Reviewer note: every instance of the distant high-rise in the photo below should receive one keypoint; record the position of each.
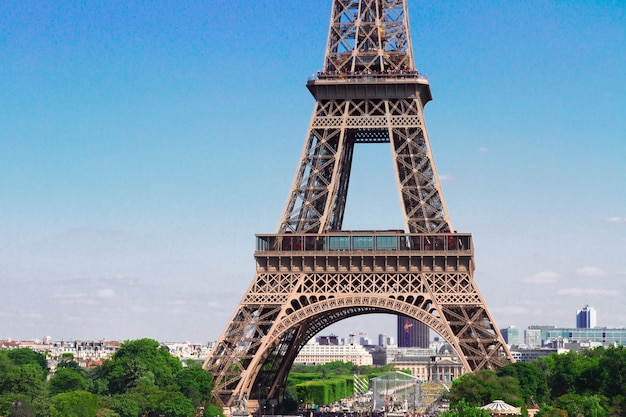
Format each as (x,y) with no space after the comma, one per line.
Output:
(384,340)
(532,337)
(412,333)
(511,335)
(586,318)
(331,340)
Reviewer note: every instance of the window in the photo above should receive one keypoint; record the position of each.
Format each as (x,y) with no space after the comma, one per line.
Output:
(363,242)
(386,242)
(339,242)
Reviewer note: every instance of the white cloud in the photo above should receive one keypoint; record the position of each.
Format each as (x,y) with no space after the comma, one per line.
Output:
(510,309)
(446,177)
(578,292)
(106,293)
(483,149)
(74,298)
(140,309)
(70,296)
(591,271)
(544,277)
(615,219)
(121,280)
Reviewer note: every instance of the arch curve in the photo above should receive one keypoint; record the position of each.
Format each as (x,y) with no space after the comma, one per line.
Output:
(291,332)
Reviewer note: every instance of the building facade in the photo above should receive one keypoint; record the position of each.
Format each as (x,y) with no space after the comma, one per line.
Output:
(530,354)
(586,318)
(532,338)
(328,340)
(427,364)
(412,333)
(317,354)
(599,336)
(511,335)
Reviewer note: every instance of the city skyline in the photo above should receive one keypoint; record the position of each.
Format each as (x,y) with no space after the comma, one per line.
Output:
(327,337)
(140,152)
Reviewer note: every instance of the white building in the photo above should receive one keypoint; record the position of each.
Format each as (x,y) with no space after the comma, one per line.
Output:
(316,354)
(532,337)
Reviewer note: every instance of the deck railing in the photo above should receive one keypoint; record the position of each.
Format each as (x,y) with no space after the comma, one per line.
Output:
(365,241)
(367,76)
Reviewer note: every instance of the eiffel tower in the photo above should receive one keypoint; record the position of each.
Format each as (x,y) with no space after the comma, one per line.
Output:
(311,273)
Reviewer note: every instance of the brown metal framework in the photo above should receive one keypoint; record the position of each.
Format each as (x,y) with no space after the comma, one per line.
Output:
(311,274)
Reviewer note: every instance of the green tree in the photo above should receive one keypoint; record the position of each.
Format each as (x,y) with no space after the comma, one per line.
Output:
(70,364)
(617,406)
(125,405)
(23,371)
(482,387)
(563,373)
(155,402)
(97,383)
(589,381)
(142,362)
(339,368)
(74,404)
(580,405)
(195,383)
(16,405)
(26,379)
(613,372)
(6,365)
(146,397)
(531,379)
(549,411)
(463,409)
(65,379)
(173,404)
(213,410)
(24,356)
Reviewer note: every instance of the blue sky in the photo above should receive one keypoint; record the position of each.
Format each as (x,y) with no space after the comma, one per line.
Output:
(143,144)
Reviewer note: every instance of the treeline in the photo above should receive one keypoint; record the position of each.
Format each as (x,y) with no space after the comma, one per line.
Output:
(143,380)
(589,383)
(140,379)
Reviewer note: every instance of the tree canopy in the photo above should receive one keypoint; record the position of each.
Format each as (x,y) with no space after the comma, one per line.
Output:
(482,387)
(143,379)
(589,383)
(140,379)
(137,362)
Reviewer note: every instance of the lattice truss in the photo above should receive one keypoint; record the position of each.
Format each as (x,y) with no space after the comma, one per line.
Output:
(368,36)
(287,305)
(283,309)
(318,195)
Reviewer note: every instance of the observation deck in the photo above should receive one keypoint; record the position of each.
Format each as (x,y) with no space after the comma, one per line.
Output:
(368,84)
(387,252)
(368,76)
(358,243)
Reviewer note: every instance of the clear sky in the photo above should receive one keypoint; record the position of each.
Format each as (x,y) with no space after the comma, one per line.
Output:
(144,143)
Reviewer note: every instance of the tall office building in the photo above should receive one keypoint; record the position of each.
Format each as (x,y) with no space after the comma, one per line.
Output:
(586,318)
(384,340)
(532,337)
(511,335)
(412,333)
(331,340)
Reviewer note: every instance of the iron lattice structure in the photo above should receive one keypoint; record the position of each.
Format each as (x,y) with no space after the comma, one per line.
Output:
(311,274)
